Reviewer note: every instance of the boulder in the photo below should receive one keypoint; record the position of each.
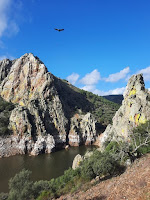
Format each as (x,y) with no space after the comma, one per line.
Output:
(77,160)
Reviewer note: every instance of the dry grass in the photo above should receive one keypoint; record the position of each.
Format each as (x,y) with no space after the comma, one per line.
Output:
(133,184)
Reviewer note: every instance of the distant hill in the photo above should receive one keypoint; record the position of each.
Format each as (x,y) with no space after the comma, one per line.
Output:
(102,108)
(114,98)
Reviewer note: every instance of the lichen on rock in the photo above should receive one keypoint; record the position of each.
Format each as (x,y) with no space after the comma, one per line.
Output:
(41,119)
(135,110)
(82,129)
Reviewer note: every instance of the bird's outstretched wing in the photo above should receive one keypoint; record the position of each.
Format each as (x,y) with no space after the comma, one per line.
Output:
(57,29)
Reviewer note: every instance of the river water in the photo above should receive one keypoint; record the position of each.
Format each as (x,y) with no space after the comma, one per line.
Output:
(43,167)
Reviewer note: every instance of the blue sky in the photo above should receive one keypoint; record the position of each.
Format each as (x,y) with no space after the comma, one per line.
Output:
(103,44)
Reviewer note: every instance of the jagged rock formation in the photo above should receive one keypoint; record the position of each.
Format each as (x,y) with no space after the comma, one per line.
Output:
(5,66)
(82,129)
(44,116)
(135,110)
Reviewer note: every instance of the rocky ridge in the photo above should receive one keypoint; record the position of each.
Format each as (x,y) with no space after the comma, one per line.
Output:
(43,118)
(135,110)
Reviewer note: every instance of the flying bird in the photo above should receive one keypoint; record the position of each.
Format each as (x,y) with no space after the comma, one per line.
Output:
(57,29)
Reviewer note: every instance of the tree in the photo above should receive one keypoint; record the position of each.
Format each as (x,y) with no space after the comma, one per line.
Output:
(140,138)
(21,188)
(138,143)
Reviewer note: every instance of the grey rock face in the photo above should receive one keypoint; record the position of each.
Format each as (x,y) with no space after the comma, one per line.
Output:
(15,144)
(44,144)
(5,66)
(78,159)
(135,110)
(82,130)
(41,109)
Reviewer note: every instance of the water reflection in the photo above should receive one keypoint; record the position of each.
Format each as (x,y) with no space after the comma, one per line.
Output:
(44,166)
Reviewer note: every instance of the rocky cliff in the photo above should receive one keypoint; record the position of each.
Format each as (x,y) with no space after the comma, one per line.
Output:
(48,114)
(135,110)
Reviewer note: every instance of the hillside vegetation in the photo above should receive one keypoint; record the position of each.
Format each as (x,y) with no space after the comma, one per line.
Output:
(5,111)
(104,165)
(100,107)
(103,109)
(133,184)
(114,98)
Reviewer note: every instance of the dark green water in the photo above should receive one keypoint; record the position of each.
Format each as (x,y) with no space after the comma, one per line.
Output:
(43,167)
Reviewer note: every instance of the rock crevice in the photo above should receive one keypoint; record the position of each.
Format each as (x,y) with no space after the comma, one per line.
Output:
(135,110)
(43,118)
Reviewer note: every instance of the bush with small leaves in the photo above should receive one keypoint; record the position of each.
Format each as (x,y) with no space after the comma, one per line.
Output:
(3,196)
(20,186)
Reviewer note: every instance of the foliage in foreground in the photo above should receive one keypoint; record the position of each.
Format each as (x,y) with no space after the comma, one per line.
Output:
(99,164)
(102,164)
(137,145)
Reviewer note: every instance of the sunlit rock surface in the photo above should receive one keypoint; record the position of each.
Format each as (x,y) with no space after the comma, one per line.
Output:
(135,110)
(82,129)
(44,115)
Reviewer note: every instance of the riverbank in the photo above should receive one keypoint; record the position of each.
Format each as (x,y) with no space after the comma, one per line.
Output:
(43,167)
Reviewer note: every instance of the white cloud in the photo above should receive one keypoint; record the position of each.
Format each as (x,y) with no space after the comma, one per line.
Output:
(118,76)
(89,88)
(4,7)
(73,78)
(6,56)
(116,91)
(91,78)
(92,88)
(146,73)
(8,24)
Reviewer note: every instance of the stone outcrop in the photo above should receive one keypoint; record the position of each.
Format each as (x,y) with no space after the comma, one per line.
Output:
(82,129)
(5,66)
(15,144)
(135,110)
(44,115)
(44,144)
(78,159)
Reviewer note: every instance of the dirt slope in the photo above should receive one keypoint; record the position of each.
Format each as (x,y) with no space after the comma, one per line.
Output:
(134,184)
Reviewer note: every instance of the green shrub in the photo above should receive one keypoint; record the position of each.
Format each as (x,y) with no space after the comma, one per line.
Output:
(140,140)
(45,196)
(112,146)
(103,109)
(100,164)
(3,196)
(5,111)
(106,165)
(20,186)
(40,186)
(87,171)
